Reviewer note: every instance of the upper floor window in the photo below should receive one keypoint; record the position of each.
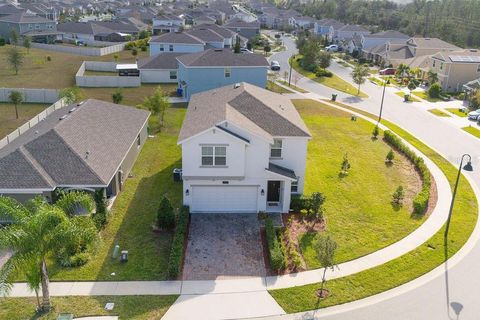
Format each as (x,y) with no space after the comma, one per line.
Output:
(228,72)
(162,48)
(294,187)
(170,47)
(433,63)
(214,156)
(173,75)
(276,149)
(441,66)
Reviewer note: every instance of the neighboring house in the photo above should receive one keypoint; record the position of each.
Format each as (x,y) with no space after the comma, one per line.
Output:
(327,28)
(92,31)
(349,31)
(160,68)
(301,22)
(428,46)
(274,18)
(88,146)
(243,150)
(209,34)
(29,24)
(216,68)
(167,23)
(376,39)
(175,42)
(204,20)
(455,68)
(246,29)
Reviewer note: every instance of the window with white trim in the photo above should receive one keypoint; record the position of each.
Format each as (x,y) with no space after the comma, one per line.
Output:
(228,72)
(294,186)
(173,74)
(276,148)
(162,48)
(214,156)
(170,47)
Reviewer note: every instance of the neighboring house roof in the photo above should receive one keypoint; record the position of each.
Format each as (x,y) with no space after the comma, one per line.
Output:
(222,58)
(169,17)
(83,147)
(206,34)
(239,23)
(23,17)
(97,27)
(431,43)
(177,37)
(399,51)
(224,32)
(388,34)
(164,60)
(353,28)
(461,56)
(330,23)
(247,106)
(205,19)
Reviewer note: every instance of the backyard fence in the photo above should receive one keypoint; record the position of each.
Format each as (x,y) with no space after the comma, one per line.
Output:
(31,95)
(83,80)
(82,51)
(39,117)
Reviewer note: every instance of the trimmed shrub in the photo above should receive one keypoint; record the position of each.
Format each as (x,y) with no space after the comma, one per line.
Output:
(2,42)
(320,72)
(165,214)
(398,196)
(390,156)
(420,201)
(176,251)
(375,132)
(434,90)
(100,217)
(299,203)
(275,253)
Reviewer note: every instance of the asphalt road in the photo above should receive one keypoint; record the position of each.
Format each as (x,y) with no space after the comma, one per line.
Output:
(451,295)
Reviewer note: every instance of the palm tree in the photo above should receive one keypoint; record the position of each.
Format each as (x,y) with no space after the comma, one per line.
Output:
(402,70)
(39,230)
(432,77)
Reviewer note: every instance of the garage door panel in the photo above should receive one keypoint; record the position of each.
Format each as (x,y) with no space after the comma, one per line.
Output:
(224,199)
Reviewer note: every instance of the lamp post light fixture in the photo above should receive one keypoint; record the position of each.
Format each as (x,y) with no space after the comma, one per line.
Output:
(290,73)
(467,167)
(381,104)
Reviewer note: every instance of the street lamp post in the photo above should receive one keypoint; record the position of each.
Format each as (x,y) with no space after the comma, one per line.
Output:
(290,73)
(467,167)
(381,104)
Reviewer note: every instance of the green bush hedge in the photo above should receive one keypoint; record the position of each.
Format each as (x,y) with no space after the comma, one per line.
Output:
(420,201)
(137,44)
(176,251)
(275,253)
(320,72)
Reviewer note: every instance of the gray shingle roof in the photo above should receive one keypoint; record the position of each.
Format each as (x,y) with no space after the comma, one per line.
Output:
(206,34)
(23,17)
(223,32)
(165,60)
(252,108)
(431,43)
(238,23)
(275,168)
(85,148)
(177,37)
(223,58)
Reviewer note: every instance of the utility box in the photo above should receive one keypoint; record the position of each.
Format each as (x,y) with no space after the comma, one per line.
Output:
(334,97)
(124,256)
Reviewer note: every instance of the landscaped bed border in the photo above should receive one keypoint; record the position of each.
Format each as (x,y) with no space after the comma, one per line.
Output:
(414,264)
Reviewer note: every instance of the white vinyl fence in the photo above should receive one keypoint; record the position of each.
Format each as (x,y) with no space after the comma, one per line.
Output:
(103,81)
(82,51)
(31,95)
(39,117)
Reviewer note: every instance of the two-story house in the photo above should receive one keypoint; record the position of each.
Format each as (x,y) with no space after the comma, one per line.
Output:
(175,42)
(327,28)
(167,23)
(24,23)
(215,68)
(243,150)
(248,30)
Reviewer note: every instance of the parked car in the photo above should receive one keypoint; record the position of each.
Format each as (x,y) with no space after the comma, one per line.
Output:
(245,50)
(474,115)
(332,48)
(387,72)
(275,66)
(278,35)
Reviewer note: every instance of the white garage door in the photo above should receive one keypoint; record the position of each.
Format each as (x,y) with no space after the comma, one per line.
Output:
(224,199)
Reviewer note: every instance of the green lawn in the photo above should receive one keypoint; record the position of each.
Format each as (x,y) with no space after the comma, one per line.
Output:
(424,95)
(405,268)
(457,112)
(26,111)
(358,208)
(473,131)
(378,82)
(131,96)
(134,212)
(272,86)
(438,113)
(334,82)
(285,83)
(126,307)
(37,72)
(402,94)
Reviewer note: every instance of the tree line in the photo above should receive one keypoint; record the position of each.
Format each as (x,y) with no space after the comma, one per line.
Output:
(454,21)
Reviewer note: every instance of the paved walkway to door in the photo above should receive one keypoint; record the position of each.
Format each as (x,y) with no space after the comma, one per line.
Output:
(222,246)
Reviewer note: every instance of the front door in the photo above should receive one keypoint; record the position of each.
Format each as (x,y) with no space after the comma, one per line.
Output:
(273,191)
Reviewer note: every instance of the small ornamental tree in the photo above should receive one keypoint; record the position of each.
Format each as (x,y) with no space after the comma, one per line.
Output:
(359,75)
(115,57)
(13,37)
(15,98)
(345,165)
(134,52)
(317,201)
(236,48)
(267,49)
(375,132)
(15,59)
(27,43)
(117,96)
(390,156)
(325,248)
(165,215)
(398,196)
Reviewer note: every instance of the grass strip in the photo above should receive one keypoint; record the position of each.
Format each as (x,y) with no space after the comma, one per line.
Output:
(402,95)
(272,86)
(457,112)
(473,131)
(439,113)
(410,266)
(294,87)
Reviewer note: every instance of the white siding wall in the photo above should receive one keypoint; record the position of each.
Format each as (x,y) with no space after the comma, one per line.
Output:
(156,76)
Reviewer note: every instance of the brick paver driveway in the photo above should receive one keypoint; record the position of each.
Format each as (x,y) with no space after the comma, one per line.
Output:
(223,246)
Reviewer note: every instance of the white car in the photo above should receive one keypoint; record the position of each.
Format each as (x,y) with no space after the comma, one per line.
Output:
(275,66)
(332,48)
(245,50)
(474,115)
